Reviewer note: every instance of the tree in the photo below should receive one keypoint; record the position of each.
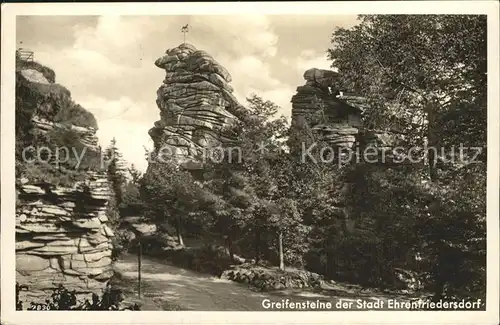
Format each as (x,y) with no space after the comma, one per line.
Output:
(251,188)
(171,192)
(231,201)
(135,174)
(284,221)
(429,72)
(416,67)
(116,170)
(132,203)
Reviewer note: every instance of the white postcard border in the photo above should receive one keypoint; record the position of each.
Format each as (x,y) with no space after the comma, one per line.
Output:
(10,316)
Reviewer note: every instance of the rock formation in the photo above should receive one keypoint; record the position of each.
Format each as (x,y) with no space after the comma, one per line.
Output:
(332,116)
(318,109)
(86,135)
(266,279)
(321,111)
(62,236)
(196,104)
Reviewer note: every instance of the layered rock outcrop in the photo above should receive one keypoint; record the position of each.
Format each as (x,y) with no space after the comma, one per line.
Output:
(62,237)
(318,109)
(196,104)
(327,114)
(62,231)
(323,113)
(86,135)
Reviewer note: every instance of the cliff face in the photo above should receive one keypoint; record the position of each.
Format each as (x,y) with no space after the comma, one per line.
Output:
(317,109)
(322,113)
(62,235)
(328,115)
(62,238)
(196,104)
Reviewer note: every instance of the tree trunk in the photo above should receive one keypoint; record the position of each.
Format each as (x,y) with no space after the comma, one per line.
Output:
(439,284)
(280,247)
(431,139)
(229,243)
(430,109)
(257,246)
(179,234)
(326,250)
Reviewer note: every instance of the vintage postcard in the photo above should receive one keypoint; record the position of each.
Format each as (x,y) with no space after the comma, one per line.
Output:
(250,163)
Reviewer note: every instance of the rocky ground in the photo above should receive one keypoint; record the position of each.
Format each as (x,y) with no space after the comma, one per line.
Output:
(270,279)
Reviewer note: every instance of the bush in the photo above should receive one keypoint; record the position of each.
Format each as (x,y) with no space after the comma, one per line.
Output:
(268,279)
(207,259)
(76,115)
(63,299)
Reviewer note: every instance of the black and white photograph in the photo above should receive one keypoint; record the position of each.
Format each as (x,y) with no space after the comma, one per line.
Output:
(338,161)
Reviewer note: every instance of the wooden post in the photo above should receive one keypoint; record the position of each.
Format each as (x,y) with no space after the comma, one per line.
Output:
(139,261)
(280,248)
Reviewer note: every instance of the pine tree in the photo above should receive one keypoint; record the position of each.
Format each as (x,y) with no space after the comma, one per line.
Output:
(116,170)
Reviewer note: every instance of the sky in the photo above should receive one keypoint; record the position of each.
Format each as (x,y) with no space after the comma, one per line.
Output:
(107,62)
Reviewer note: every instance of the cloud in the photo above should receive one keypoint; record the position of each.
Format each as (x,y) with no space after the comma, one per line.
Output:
(131,138)
(108,63)
(118,38)
(281,97)
(122,108)
(308,53)
(235,35)
(250,72)
(311,59)
(245,45)
(307,59)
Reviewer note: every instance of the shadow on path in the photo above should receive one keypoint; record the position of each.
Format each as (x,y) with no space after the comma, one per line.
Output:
(190,290)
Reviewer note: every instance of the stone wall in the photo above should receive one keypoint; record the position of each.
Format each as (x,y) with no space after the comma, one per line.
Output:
(62,238)
(196,104)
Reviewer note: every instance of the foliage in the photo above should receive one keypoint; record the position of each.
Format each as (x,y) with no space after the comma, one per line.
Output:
(135,175)
(170,191)
(251,191)
(454,235)
(50,101)
(424,76)
(75,114)
(412,59)
(53,103)
(115,169)
(132,203)
(63,299)
(430,73)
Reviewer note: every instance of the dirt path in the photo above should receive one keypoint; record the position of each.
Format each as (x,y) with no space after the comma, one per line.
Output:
(167,287)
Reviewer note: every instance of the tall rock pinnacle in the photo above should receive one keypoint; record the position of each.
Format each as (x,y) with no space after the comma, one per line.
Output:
(195,101)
